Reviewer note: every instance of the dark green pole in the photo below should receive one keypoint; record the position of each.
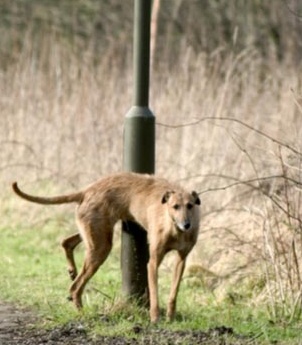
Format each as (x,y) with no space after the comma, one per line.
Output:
(139,153)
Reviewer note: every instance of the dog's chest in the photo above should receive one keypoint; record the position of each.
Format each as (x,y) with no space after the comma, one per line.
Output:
(180,241)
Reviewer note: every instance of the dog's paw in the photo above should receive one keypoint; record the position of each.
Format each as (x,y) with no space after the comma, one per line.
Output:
(72,274)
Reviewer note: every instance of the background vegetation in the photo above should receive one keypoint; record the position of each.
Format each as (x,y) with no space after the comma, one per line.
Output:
(226,92)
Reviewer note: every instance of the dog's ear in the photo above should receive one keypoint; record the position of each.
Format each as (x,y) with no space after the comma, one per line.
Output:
(166,196)
(196,197)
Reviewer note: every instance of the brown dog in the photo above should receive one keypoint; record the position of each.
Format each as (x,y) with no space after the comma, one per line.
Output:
(167,212)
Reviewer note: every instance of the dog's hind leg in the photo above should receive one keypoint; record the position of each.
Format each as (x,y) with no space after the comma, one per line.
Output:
(98,246)
(68,245)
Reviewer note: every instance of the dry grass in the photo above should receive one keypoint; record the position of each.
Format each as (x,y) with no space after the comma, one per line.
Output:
(62,122)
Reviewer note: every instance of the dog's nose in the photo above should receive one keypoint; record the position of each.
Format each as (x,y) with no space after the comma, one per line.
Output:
(187,225)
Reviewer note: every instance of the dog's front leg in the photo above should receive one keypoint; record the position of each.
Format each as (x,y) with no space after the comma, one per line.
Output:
(180,263)
(153,289)
(153,264)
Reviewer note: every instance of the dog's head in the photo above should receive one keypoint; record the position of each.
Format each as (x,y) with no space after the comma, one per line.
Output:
(182,208)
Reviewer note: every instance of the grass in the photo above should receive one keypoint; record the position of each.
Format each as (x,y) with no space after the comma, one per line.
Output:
(34,275)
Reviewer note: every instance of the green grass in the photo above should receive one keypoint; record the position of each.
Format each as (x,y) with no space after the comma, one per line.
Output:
(34,274)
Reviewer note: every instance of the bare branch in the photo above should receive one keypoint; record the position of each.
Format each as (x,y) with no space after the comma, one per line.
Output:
(229,119)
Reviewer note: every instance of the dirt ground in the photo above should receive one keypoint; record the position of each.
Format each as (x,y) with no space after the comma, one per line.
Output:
(17,328)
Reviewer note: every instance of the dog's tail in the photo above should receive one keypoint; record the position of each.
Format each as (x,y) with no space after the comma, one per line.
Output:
(62,199)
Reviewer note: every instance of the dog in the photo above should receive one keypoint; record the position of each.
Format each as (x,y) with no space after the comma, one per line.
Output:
(168,213)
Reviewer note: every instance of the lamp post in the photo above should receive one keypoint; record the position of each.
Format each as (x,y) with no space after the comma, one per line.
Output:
(139,153)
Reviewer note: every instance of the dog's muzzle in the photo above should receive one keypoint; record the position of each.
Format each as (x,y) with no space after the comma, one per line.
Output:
(184,226)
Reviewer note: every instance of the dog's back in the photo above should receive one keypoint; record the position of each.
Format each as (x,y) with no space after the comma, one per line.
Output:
(124,196)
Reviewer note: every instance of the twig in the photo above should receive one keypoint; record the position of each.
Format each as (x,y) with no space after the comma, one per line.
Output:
(295,13)
(19,143)
(228,119)
(242,182)
(249,184)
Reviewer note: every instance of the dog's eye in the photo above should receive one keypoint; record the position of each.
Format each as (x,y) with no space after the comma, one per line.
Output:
(189,206)
(176,207)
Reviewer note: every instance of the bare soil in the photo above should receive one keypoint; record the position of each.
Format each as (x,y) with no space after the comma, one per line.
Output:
(17,327)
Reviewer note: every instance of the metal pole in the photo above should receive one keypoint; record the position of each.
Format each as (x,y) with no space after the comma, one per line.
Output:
(139,154)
